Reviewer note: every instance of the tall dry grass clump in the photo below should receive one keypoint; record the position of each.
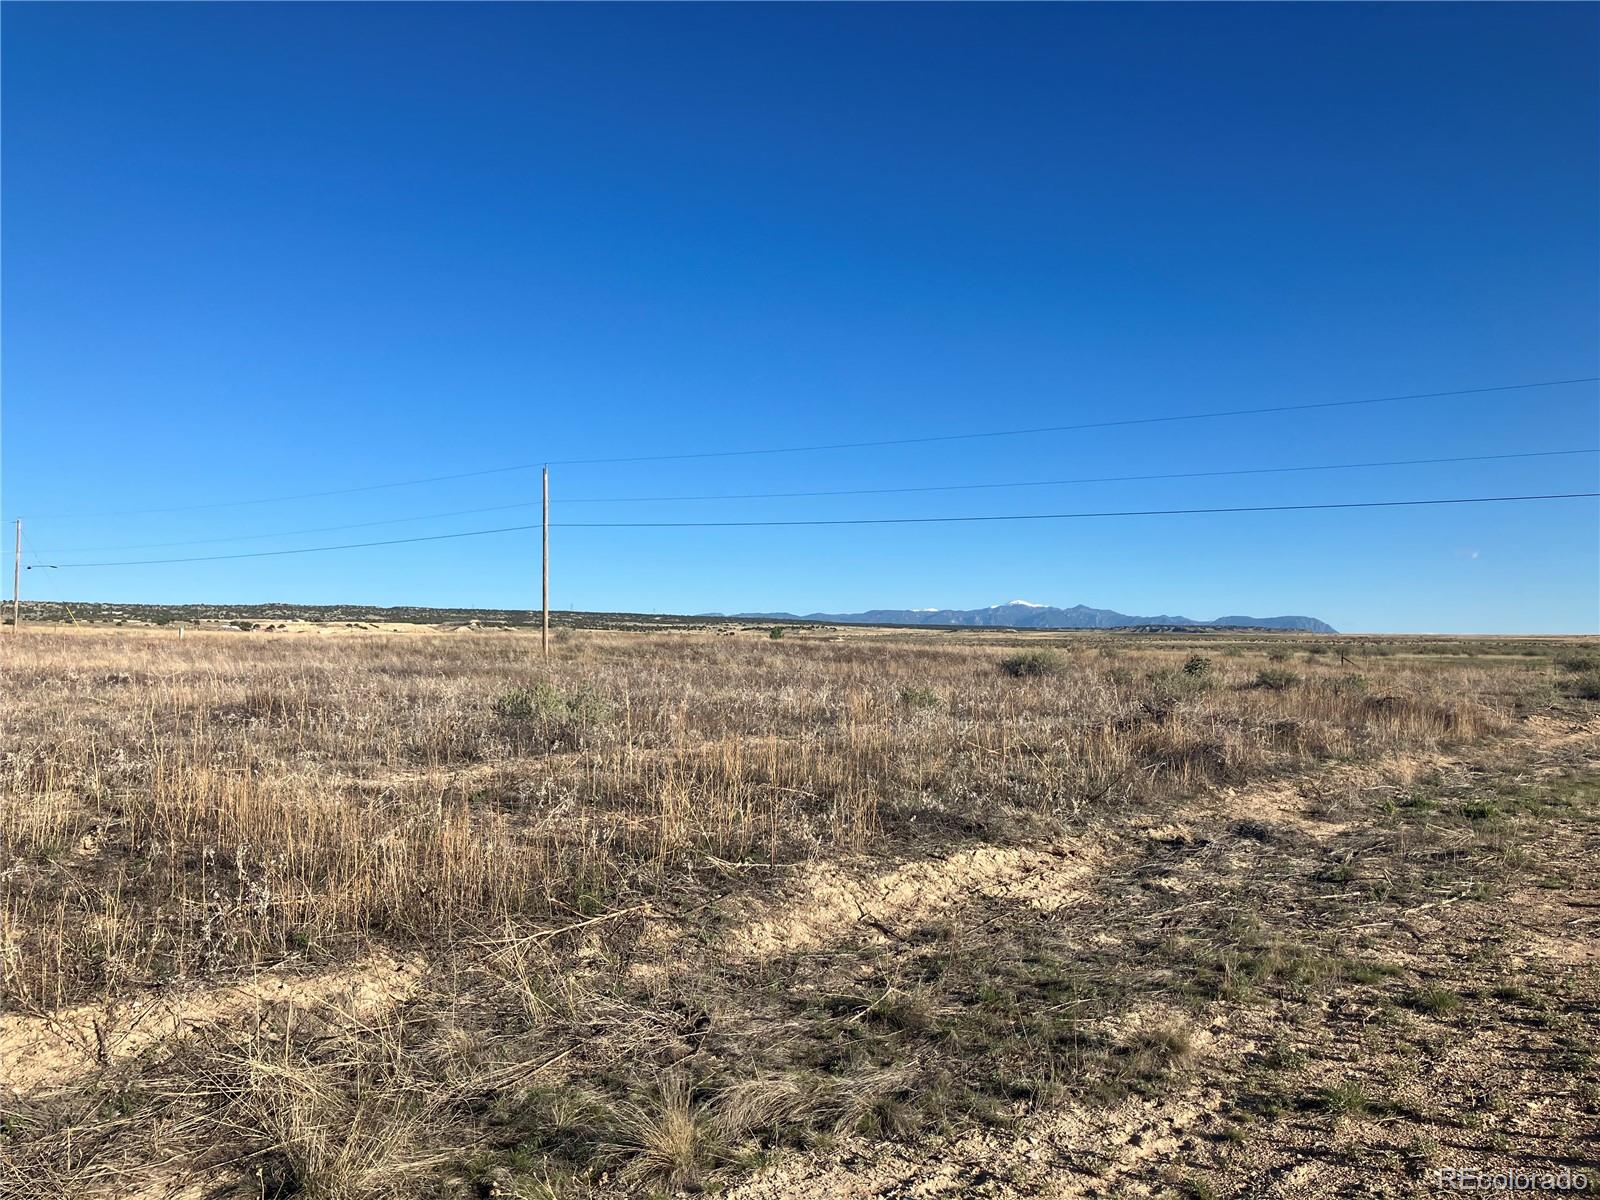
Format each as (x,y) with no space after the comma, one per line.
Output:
(185,808)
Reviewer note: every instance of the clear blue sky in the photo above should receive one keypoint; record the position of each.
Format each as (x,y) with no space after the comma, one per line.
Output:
(252,250)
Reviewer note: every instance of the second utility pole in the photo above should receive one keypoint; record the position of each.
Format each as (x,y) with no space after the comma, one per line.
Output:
(16,584)
(544,542)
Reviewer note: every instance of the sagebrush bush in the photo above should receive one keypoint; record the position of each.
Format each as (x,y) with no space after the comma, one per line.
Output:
(920,698)
(1197,664)
(524,703)
(1033,664)
(1169,687)
(1277,679)
(1349,685)
(1583,685)
(545,700)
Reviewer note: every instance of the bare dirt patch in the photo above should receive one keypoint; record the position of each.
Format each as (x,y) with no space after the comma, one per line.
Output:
(52,1050)
(825,903)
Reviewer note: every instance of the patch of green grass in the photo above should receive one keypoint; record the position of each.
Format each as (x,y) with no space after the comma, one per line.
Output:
(1286,1058)
(1435,1001)
(1347,1098)
(1257,964)
(891,1115)
(1195,1188)
(1366,970)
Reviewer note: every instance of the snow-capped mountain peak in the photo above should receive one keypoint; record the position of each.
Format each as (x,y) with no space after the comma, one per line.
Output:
(1025,614)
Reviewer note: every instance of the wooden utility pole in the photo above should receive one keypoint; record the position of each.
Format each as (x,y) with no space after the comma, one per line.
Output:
(544,545)
(16,584)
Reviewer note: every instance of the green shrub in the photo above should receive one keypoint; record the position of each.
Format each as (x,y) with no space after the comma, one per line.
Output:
(776,633)
(1349,685)
(1197,665)
(1584,685)
(1277,679)
(920,698)
(546,702)
(520,704)
(1169,687)
(1032,664)
(1579,664)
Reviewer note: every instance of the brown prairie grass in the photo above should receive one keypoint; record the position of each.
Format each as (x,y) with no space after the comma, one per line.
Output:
(184,808)
(174,813)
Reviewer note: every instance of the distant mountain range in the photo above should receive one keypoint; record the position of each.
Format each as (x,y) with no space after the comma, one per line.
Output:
(1024,614)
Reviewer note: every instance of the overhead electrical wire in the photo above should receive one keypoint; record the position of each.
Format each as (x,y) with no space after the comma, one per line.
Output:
(256,537)
(949,487)
(827,446)
(968,487)
(1143,512)
(1072,428)
(1059,516)
(369,487)
(433,537)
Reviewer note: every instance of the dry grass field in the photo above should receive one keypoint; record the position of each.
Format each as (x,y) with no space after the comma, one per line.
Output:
(833,915)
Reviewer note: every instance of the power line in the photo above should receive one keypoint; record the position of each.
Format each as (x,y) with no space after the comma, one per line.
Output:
(951,487)
(435,537)
(965,487)
(1144,512)
(255,537)
(370,487)
(923,440)
(1150,512)
(1124,421)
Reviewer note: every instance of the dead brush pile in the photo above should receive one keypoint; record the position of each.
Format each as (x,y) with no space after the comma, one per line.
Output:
(178,814)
